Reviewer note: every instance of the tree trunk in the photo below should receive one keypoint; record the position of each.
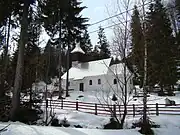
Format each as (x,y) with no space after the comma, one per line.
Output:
(162,91)
(124,116)
(20,64)
(60,59)
(145,128)
(67,77)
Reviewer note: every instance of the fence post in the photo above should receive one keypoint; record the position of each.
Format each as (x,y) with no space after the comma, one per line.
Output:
(46,111)
(77,105)
(157,110)
(95,109)
(61,103)
(46,103)
(120,110)
(114,110)
(134,110)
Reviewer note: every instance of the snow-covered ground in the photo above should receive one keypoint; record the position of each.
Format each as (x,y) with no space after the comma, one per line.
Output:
(97,96)
(21,129)
(93,124)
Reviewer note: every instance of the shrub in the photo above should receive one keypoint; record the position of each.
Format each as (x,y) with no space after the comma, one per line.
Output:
(112,124)
(55,123)
(65,123)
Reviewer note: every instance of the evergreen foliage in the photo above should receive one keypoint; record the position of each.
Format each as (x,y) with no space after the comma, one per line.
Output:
(137,54)
(161,48)
(103,44)
(85,42)
(68,12)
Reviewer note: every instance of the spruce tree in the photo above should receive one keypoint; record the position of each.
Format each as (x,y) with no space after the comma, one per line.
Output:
(137,54)
(178,36)
(73,24)
(50,62)
(85,42)
(8,9)
(178,6)
(161,47)
(103,44)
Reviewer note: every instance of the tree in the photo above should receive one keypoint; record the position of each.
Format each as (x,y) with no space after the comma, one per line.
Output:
(72,22)
(177,2)
(171,10)
(6,24)
(20,62)
(66,20)
(120,45)
(161,47)
(137,53)
(85,42)
(103,44)
(51,59)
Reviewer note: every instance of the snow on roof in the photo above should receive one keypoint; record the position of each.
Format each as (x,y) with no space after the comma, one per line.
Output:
(77,49)
(92,68)
(118,69)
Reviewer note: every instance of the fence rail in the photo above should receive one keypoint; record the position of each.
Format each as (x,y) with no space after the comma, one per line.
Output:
(105,109)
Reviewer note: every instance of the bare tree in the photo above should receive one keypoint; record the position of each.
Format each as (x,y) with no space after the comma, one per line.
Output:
(146,125)
(120,95)
(121,40)
(121,43)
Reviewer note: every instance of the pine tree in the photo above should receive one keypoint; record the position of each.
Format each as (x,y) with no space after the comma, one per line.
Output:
(51,61)
(161,47)
(8,9)
(85,42)
(178,36)
(178,6)
(73,24)
(137,54)
(103,44)
(67,19)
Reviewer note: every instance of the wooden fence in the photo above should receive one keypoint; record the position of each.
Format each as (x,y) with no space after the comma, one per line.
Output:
(104,109)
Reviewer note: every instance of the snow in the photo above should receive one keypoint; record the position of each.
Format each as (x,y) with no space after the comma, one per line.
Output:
(18,129)
(92,68)
(93,124)
(168,126)
(118,69)
(86,120)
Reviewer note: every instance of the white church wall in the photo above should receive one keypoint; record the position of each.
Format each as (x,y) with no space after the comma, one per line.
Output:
(107,83)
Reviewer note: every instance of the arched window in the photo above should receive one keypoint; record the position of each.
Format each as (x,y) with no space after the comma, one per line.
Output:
(90,82)
(115,81)
(99,81)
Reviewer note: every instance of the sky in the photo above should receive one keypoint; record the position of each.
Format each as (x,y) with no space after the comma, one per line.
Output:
(97,10)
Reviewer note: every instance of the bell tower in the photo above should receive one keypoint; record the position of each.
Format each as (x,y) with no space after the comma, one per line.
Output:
(77,55)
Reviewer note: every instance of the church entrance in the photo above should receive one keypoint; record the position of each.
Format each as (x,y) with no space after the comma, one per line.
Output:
(81,86)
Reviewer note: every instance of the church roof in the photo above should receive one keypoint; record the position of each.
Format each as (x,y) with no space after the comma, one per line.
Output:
(92,68)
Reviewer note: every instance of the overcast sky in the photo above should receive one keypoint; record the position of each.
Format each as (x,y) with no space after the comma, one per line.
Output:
(97,10)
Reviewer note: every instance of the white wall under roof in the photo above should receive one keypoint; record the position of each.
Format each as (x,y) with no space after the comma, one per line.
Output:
(107,83)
